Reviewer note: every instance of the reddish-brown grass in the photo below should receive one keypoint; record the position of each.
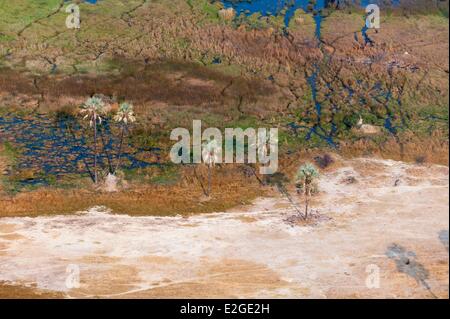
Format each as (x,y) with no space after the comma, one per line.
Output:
(229,188)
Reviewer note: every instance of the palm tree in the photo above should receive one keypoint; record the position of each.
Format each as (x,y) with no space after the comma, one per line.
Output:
(93,110)
(124,116)
(211,155)
(306,176)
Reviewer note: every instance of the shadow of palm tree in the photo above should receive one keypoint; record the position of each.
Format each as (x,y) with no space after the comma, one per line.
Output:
(443,237)
(407,264)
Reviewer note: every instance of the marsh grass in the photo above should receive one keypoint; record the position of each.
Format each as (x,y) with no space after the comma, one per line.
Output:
(160,58)
(168,195)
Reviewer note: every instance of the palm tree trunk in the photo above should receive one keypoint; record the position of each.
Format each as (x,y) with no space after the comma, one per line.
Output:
(254,173)
(257,176)
(306,201)
(105,149)
(306,208)
(119,156)
(95,152)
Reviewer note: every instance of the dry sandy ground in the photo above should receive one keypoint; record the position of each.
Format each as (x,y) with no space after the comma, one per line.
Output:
(386,218)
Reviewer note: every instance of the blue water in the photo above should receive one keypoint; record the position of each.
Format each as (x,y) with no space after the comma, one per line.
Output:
(88,1)
(367,39)
(48,147)
(276,7)
(365,3)
(288,8)
(312,81)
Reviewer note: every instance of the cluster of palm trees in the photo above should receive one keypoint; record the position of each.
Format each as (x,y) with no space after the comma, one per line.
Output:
(94,111)
(211,152)
(305,178)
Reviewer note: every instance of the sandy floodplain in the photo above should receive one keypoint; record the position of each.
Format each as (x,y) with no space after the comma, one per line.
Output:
(384,235)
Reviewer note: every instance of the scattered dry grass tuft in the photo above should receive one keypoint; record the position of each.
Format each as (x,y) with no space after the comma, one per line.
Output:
(430,150)
(11,291)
